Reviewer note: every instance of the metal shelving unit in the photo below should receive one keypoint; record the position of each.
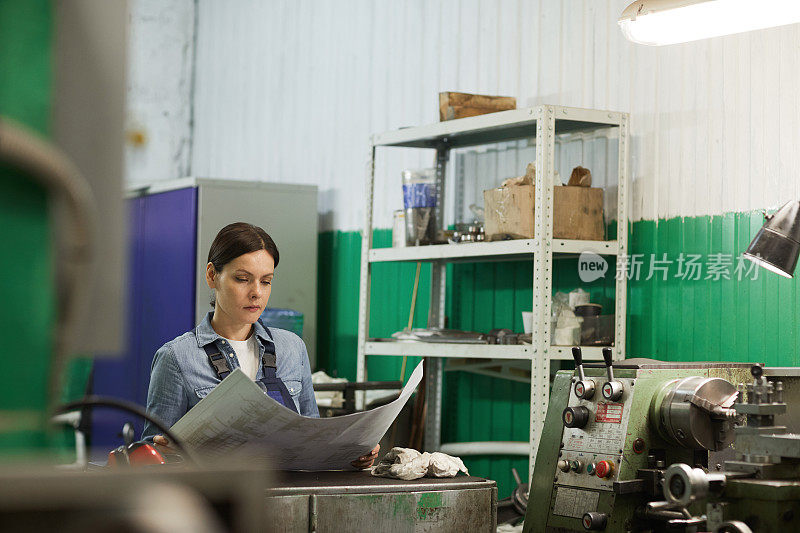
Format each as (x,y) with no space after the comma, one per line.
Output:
(544,123)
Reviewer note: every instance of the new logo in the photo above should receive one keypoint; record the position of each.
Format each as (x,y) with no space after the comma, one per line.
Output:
(591,267)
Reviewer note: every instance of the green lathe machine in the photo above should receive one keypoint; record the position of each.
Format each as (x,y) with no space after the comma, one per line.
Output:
(644,445)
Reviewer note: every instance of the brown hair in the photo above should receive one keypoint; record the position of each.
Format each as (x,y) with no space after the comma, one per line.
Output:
(238,239)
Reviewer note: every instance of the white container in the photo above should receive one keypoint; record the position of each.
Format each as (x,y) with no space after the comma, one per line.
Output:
(578,297)
(565,331)
(527,322)
(419,201)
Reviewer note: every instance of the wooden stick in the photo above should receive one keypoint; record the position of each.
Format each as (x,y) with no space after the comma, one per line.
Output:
(411,315)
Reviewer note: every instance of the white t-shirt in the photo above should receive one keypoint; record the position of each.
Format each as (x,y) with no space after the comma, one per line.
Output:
(247,355)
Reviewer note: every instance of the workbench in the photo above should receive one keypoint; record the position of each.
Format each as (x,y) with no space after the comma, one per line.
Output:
(358,502)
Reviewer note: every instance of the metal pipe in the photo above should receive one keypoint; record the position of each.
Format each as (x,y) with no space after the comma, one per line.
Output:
(649,513)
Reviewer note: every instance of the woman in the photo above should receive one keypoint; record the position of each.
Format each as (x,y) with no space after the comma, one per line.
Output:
(240,270)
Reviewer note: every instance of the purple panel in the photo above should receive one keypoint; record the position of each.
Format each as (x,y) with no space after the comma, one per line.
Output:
(168,281)
(162,251)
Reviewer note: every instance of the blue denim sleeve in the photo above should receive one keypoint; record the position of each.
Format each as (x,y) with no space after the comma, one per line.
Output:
(166,395)
(308,402)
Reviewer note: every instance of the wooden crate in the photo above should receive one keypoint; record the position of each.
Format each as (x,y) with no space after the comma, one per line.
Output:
(577,213)
(460,105)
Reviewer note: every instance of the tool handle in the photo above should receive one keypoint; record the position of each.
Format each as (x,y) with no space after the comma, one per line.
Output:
(577,355)
(128,434)
(607,356)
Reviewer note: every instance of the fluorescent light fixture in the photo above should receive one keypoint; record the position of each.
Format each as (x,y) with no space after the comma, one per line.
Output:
(658,22)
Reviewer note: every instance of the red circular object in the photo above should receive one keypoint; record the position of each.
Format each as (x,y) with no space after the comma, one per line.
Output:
(579,389)
(568,417)
(604,469)
(142,453)
(638,445)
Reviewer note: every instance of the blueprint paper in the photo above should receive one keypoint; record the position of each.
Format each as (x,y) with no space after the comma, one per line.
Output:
(237,418)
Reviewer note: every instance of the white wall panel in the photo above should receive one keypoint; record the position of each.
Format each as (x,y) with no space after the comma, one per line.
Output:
(159,103)
(290,91)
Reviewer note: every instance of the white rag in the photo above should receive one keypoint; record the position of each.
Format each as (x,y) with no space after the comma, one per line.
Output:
(407,463)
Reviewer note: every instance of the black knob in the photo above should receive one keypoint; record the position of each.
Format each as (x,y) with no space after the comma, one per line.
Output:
(607,355)
(756,371)
(593,521)
(575,417)
(577,355)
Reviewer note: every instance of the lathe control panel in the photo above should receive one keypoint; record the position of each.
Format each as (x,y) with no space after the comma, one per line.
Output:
(594,435)
(608,432)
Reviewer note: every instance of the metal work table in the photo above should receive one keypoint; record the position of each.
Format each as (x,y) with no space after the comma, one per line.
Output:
(358,501)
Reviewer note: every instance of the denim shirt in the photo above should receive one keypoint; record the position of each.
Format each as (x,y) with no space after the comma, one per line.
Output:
(181,374)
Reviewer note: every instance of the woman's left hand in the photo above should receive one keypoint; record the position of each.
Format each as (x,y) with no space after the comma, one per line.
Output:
(365,461)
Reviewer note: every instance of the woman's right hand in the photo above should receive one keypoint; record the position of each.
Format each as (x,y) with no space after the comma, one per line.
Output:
(163,445)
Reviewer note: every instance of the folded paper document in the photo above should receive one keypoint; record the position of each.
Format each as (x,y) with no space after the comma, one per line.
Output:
(237,418)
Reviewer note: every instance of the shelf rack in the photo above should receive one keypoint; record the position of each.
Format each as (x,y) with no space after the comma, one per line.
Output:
(543,123)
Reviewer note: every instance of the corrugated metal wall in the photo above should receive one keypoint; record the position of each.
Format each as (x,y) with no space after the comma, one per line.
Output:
(727,314)
(291,90)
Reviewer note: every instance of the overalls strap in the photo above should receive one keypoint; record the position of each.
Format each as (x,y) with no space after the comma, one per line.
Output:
(217,360)
(270,383)
(275,388)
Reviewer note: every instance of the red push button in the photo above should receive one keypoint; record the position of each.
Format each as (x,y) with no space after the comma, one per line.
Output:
(604,469)
(638,445)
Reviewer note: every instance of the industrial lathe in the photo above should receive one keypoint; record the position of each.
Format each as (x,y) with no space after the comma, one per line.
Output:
(644,445)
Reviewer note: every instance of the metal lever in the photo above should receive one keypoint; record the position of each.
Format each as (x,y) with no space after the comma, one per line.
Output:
(578,356)
(584,388)
(127,437)
(612,389)
(607,358)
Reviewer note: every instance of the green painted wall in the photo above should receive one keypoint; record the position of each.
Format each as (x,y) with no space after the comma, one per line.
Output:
(708,319)
(338,282)
(669,319)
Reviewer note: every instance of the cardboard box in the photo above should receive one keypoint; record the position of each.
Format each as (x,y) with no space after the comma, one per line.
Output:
(460,105)
(578,213)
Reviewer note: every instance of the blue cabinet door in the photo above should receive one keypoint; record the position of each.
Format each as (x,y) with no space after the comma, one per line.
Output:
(167,285)
(162,252)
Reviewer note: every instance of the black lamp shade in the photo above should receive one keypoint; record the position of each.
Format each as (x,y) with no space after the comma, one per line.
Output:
(777,243)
